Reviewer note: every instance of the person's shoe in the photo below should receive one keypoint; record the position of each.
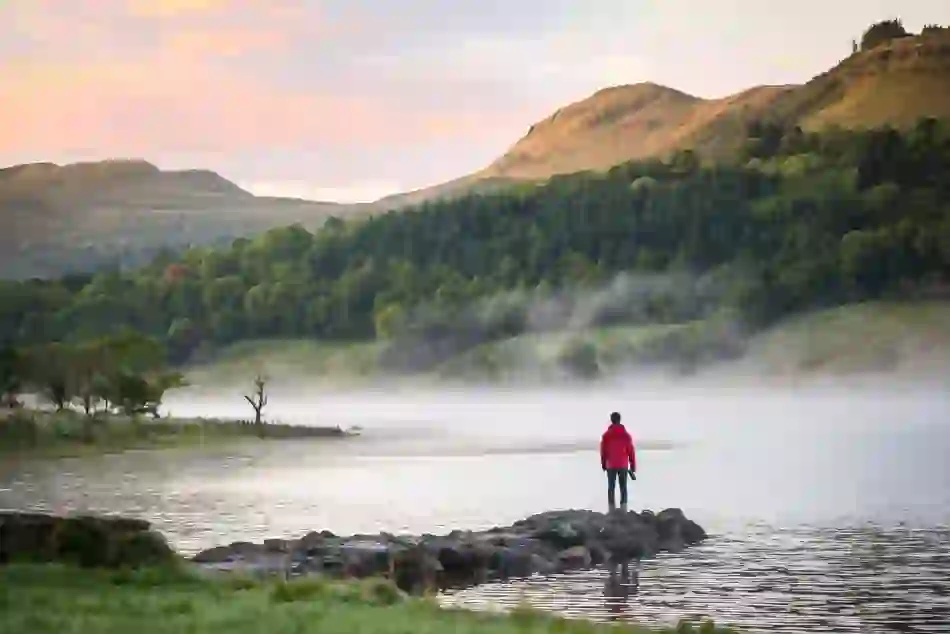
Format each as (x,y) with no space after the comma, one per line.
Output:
(623,507)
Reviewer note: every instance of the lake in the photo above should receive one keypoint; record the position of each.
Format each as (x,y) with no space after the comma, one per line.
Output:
(828,508)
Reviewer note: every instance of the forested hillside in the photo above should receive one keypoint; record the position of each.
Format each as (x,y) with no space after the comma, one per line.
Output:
(807,220)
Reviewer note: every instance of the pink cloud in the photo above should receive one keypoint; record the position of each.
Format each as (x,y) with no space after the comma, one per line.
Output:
(174,8)
(203,44)
(118,87)
(165,103)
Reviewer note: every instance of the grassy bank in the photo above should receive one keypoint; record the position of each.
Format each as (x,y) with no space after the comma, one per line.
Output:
(30,433)
(871,337)
(62,600)
(282,359)
(529,356)
(858,338)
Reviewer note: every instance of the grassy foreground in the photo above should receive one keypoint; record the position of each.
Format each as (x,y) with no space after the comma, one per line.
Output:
(63,600)
(30,433)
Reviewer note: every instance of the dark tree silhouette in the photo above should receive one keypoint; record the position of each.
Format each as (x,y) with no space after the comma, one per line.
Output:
(882,32)
(258,400)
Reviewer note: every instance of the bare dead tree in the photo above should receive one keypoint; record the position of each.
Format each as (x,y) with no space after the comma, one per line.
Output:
(258,400)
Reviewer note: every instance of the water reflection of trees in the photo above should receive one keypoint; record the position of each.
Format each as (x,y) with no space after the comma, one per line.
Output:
(623,581)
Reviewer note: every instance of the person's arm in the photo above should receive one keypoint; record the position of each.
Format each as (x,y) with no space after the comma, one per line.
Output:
(631,454)
(603,453)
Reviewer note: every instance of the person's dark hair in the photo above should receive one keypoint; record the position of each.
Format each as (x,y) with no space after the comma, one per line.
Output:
(615,417)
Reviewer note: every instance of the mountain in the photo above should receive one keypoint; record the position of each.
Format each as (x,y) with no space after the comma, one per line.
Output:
(82,216)
(895,83)
(70,218)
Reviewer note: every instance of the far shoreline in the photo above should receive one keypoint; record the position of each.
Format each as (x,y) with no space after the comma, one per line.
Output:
(28,433)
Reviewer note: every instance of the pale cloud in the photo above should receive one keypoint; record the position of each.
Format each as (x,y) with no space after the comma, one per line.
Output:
(358,192)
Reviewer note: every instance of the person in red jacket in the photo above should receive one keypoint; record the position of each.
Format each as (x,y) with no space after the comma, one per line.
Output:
(617,458)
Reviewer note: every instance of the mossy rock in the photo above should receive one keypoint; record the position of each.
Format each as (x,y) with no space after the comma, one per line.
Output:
(87,541)
(141,549)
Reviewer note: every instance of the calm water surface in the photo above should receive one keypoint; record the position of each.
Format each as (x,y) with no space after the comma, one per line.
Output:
(828,510)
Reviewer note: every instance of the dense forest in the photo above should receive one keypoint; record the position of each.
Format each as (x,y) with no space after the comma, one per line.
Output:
(802,220)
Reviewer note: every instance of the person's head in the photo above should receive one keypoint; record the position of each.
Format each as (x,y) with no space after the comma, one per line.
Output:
(615,418)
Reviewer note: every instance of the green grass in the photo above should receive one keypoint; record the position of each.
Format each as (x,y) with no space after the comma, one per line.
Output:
(287,359)
(29,433)
(867,337)
(533,354)
(62,600)
(848,339)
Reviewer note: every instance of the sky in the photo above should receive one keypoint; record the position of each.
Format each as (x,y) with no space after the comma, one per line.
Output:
(355,99)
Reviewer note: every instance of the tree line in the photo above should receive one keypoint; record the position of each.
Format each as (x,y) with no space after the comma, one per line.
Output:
(800,220)
(888,30)
(126,373)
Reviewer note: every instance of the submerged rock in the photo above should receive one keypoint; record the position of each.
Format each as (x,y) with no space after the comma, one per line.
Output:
(546,543)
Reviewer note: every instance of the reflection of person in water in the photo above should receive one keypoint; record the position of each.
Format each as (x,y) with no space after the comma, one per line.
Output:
(618,588)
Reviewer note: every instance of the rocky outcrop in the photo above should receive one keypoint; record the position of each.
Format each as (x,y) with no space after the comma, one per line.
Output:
(84,540)
(547,543)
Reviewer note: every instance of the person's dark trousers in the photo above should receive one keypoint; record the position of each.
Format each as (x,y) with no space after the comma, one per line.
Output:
(615,477)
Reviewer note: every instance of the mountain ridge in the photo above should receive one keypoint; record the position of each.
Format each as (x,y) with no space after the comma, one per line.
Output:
(895,82)
(81,216)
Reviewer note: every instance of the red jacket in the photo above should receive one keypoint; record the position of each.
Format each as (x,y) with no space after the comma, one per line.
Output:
(616,449)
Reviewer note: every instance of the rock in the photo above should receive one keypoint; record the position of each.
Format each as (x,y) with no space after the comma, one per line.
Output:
(541,544)
(127,524)
(233,552)
(542,566)
(692,532)
(511,561)
(676,532)
(598,554)
(576,557)
(216,555)
(627,536)
(246,550)
(560,534)
(671,515)
(460,559)
(364,558)
(141,548)
(311,542)
(89,541)
(416,569)
(277,546)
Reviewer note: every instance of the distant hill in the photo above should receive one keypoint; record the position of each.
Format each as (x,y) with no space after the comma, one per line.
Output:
(77,217)
(895,82)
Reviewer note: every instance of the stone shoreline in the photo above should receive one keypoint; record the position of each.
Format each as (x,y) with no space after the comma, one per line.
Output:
(547,543)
